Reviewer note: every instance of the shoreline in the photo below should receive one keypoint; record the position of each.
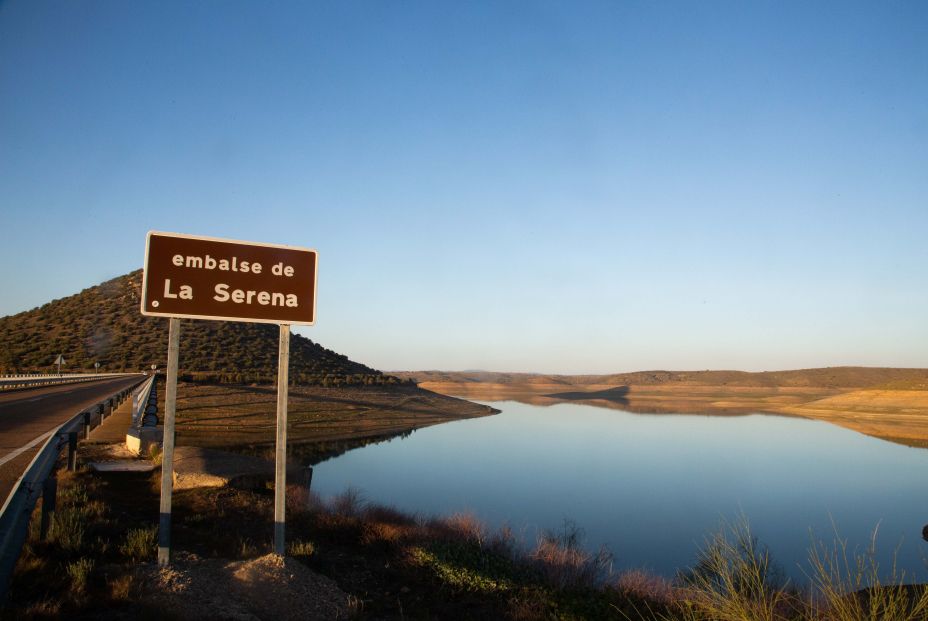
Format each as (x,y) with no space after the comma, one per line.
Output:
(894,415)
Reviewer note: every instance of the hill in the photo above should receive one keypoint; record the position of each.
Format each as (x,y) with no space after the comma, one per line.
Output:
(887,403)
(103,324)
(829,377)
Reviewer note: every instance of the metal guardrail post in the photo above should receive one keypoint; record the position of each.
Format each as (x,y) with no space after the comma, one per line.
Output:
(72,451)
(87,424)
(49,503)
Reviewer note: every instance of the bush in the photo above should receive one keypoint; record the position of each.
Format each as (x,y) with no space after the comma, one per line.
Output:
(734,579)
(561,559)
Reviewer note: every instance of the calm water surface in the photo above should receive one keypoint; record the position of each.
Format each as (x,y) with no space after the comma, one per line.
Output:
(652,486)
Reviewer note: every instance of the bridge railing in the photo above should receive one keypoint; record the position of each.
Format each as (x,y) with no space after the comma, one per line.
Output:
(40,480)
(27,381)
(144,396)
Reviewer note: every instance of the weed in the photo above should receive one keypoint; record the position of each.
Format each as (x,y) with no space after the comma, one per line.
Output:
(247,548)
(642,585)
(67,529)
(299,499)
(561,559)
(734,579)
(121,588)
(75,494)
(79,574)
(300,548)
(155,453)
(44,609)
(465,568)
(381,532)
(349,503)
(849,587)
(140,543)
(467,527)
(355,606)
(388,515)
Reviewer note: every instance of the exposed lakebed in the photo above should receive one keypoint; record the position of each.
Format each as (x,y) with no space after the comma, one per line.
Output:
(651,487)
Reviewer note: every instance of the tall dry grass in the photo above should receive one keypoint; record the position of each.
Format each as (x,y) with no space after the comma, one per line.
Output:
(565,564)
(851,586)
(736,580)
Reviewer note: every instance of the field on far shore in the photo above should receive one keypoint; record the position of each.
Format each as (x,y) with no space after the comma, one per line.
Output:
(891,404)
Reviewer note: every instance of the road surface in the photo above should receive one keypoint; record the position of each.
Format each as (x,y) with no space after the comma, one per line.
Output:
(27,415)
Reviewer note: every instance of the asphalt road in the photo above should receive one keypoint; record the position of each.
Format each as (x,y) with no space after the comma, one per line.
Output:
(28,414)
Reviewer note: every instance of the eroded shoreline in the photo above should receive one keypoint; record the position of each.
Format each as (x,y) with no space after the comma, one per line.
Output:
(895,415)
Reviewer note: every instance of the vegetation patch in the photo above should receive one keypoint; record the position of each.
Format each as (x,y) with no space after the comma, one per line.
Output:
(98,562)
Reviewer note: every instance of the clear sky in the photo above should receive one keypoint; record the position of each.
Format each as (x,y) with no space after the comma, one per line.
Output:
(523,186)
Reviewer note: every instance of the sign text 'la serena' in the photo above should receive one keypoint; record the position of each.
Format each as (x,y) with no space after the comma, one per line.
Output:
(208,278)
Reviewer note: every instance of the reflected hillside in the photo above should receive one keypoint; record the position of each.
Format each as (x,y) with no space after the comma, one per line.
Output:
(891,404)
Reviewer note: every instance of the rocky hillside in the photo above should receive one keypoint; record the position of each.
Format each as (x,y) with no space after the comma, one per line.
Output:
(103,324)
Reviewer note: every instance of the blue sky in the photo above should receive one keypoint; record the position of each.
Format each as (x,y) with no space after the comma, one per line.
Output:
(525,186)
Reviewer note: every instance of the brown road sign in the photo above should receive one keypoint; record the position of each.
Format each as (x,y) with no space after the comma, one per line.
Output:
(209,278)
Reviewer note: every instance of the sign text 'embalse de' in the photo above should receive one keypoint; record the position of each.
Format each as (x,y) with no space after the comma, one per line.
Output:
(208,278)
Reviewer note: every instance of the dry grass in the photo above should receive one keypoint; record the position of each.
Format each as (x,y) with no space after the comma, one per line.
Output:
(349,503)
(122,588)
(641,585)
(565,564)
(140,543)
(849,586)
(735,580)
(79,574)
(450,568)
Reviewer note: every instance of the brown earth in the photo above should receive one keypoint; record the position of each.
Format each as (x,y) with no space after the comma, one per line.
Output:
(891,404)
(322,421)
(267,587)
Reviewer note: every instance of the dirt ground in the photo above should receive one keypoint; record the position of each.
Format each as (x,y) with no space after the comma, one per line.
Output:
(267,587)
(321,421)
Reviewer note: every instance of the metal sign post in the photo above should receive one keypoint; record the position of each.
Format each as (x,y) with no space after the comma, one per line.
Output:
(226,280)
(167,456)
(280,465)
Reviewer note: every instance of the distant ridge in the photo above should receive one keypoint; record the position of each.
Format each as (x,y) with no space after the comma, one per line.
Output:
(103,324)
(827,377)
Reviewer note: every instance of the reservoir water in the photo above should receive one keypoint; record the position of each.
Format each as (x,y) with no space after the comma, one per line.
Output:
(651,487)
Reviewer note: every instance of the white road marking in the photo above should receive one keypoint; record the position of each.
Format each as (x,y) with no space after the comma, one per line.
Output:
(14,454)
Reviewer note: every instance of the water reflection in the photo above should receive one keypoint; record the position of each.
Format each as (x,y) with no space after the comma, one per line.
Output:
(651,487)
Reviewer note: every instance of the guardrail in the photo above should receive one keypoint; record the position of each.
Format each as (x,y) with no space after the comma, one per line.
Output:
(40,479)
(143,432)
(28,381)
(144,397)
